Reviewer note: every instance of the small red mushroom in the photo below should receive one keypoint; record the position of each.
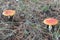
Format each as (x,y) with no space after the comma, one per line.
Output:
(9,13)
(50,22)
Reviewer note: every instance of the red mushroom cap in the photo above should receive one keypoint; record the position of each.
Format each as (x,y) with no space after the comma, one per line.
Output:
(8,12)
(50,21)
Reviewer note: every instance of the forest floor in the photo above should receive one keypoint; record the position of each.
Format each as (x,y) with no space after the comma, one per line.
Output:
(27,23)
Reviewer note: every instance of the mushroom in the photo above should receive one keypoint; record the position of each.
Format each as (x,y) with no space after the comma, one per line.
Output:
(8,13)
(50,22)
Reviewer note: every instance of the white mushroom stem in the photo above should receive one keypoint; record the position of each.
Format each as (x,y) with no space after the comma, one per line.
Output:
(8,16)
(50,27)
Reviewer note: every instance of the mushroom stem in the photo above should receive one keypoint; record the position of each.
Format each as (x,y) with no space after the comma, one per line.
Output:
(8,16)
(50,27)
(11,18)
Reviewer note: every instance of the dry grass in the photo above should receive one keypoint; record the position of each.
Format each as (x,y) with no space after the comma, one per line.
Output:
(27,23)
